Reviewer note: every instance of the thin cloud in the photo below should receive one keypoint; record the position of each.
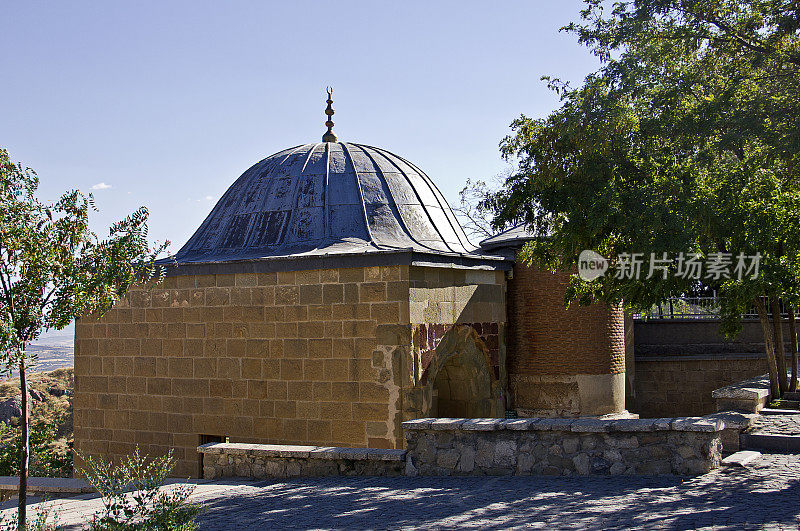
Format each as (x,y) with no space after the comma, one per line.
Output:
(101,186)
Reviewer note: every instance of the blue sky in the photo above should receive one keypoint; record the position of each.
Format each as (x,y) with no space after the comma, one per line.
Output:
(165,104)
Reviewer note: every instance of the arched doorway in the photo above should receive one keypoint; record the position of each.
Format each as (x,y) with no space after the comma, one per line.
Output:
(460,381)
(463,388)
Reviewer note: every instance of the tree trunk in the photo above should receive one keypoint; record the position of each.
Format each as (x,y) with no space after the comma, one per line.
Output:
(766,327)
(793,339)
(779,345)
(23,457)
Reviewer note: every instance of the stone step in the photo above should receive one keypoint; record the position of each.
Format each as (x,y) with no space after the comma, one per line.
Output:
(773,411)
(786,404)
(742,459)
(771,443)
(791,395)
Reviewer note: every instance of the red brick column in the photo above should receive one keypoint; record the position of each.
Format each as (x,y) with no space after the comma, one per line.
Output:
(563,362)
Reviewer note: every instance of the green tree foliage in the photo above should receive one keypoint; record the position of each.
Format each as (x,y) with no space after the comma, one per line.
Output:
(43,462)
(685,140)
(54,269)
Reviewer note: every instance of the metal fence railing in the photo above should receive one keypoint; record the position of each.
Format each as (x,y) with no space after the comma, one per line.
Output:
(702,308)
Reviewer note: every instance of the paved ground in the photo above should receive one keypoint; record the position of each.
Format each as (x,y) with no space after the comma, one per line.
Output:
(777,424)
(764,496)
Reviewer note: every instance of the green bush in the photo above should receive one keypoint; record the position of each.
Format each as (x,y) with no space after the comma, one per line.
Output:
(133,497)
(44,461)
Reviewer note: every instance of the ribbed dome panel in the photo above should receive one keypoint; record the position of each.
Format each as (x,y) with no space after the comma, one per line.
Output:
(327,198)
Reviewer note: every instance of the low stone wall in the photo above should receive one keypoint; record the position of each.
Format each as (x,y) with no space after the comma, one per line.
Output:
(221,460)
(560,446)
(748,396)
(734,423)
(545,446)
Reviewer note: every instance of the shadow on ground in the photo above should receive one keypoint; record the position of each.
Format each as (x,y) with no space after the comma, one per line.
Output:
(734,499)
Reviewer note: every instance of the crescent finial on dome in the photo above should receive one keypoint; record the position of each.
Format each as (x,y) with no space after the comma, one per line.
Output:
(329,136)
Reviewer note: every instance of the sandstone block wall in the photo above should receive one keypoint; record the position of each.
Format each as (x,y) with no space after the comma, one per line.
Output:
(289,357)
(458,327)
(320,357)
(562,362)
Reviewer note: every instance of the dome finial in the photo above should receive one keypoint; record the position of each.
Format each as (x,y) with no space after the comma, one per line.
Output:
(329,136)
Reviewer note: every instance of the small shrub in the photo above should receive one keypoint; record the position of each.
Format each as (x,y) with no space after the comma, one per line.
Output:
(133,498)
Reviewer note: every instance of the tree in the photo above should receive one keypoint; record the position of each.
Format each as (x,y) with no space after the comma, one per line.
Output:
(474,211)
(53,269)
(685,140)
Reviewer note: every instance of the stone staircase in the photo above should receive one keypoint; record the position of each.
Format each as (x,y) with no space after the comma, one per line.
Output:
(774,431)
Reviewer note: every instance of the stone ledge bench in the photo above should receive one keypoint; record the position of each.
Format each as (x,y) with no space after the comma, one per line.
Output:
(563,446)
(9,486)
(748,396)
(282,461)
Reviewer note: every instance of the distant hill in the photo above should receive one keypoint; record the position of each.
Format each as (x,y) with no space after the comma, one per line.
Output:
(53,352)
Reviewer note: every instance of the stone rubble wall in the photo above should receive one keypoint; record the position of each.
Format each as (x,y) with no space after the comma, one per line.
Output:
(224,460)
(541,446)
(562,446)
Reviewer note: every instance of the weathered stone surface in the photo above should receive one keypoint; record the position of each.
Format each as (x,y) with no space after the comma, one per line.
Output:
(466,462)
(734,419)
(446,424)
(12,408)
(555,424)
(495,447)
(633,425)
(570,445)
(517,424)
(590,425)
(260,461)
(753,389)
(612,455)
(417,424)
(581,462)
(524,463)
(696,424)
(742,458)
(559,447)
(505,453)
(482,424)
(617,469)
(447,459)
(410,469)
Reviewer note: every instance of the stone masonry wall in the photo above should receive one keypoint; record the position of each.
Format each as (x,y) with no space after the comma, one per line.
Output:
(290,357)
(682,385)
(258,461)
(562,447)
(456,313)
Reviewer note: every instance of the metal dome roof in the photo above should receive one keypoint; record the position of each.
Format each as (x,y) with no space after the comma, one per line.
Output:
(328,198)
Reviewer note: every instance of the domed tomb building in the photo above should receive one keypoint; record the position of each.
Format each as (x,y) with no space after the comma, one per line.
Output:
(329,295)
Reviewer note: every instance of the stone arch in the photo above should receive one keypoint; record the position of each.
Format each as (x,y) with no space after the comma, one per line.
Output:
(459,380)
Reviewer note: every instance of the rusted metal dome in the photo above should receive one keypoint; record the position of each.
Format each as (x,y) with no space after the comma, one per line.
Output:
(324,199)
